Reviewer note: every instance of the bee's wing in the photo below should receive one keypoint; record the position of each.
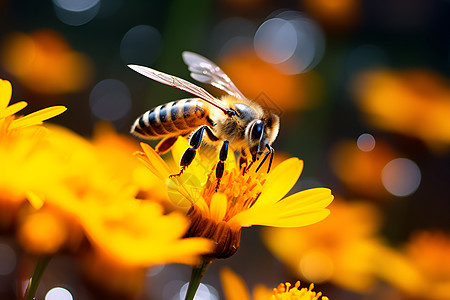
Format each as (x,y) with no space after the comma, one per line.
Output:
(204,70)
(180,84)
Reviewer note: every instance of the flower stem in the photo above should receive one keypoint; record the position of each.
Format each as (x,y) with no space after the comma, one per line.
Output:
(196,277)
(36,277)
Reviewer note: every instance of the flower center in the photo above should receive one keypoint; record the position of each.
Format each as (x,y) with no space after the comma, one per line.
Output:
(241,191)
(285,292)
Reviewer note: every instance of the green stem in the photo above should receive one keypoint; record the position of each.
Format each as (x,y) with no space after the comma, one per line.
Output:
(196,277)
(36,277)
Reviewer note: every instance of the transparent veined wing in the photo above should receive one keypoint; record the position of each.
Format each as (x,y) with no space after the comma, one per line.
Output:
(180,84)
(204,70)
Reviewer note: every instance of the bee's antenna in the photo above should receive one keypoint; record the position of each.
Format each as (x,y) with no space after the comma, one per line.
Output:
(271,152)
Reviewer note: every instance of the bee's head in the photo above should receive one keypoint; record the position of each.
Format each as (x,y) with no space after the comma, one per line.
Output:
(261,133)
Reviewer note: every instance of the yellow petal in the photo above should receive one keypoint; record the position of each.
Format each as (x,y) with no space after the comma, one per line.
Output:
(294,211)
(12,109)
(234,287)
(218,206)
(155,163)
(267,218)
(35,201)
(261,292)
(37,117)
(308,199)
(280,181)
(5,95)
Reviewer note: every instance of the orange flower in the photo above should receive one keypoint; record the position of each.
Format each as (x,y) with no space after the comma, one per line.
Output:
(44,62)
(235,289)
(361,170)
(413,103)
(428,251)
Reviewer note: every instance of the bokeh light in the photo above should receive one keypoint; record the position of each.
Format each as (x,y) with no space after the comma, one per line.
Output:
(290,41)
(58,293)
(141,44)
(154,270)
(401,177)
(204,292)
(110,100)
(366,142)
(76,12)
(276,41)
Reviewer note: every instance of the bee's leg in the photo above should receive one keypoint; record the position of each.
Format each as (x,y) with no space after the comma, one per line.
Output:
(243,161)
(221,164)
(194,142)
(165,144)
(270,152)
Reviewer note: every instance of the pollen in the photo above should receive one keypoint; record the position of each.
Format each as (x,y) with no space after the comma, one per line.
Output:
(285,292)
(241,191)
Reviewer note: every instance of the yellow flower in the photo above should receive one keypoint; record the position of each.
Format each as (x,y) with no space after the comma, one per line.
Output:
(235,289)
(19,139)
(114,150)
(94,189)
(9,123)
(240,200)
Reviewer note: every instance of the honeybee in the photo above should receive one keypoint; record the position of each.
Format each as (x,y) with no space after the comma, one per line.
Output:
(234,120)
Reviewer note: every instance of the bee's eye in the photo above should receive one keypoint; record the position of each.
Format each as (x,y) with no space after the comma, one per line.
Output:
(257,130)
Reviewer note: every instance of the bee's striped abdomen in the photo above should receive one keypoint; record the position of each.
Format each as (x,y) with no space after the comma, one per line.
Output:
(173,118)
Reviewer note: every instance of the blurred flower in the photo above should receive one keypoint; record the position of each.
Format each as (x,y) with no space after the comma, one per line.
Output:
(428,251)
(19,138)
(44,62)
(235,289)
(263,83)
(218,213)
(111,147)
(361,170)
(83,196)
(335,15)
(414,103)
(340,249)
(95,190)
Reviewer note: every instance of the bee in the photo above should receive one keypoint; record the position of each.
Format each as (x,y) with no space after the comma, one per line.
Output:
(235,121)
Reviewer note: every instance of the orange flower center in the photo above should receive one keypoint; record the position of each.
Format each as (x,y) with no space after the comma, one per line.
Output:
(285,292)
(241,191)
